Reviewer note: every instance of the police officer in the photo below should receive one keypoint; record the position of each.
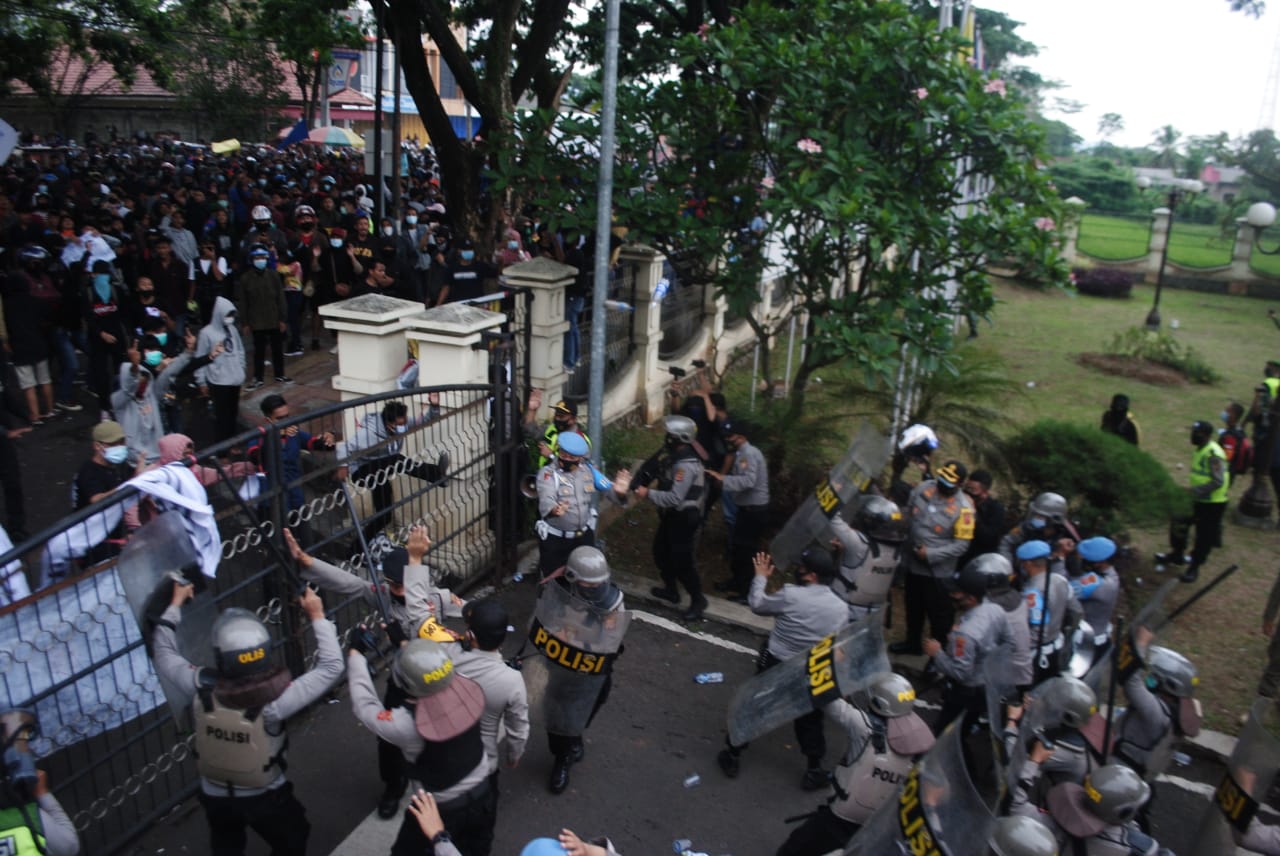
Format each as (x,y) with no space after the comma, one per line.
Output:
(1021,836)
(406,613)
(564,420)
(566,513)
(239,710)
(1097,587)
(869,554)
(1209,481)
(1046,521)
(31,819)
(679,495)
(437,728)
(747,485)
(941,527)
(806,613)
(1161,709)
(1096,817)
(886,736)
(981,630)
(1062,709)
(1052,609)
(999,577)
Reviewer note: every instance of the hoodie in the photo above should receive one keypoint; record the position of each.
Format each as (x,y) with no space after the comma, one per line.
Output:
(137,406)
(227,369)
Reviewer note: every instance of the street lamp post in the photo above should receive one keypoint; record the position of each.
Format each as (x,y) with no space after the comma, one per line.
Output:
(1254,508)
(1179,189)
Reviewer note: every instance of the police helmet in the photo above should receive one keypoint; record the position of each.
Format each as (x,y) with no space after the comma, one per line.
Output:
(1021,836)
(422,668)
(1050,506)
(1096,549)
(880,519)
(1115,793)
(1070,697)
(241,644)
(991,571)
(681,428)
(1170,672)
(890,695)
(587,565)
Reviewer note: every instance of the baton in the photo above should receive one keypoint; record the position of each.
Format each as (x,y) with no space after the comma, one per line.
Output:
(1199,594)
(375,574)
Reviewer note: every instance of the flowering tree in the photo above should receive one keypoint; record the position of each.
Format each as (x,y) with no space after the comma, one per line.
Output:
(886,171)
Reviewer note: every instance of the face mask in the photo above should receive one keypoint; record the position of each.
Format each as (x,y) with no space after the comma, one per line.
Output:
(262,182)
(44,188)
(116,454)
(560,424)
(597,594)
(411,220)
(1224,416)
(263,227)
(222,203)
(336,243)
(400,429)
(122,211)
(388,231)
(567,466)
(102,286)
(468,255)
(162,338)
(513,245)
(260,264)
(20,768)
(1036,523)
(307,227)
(153,358)
(230,319)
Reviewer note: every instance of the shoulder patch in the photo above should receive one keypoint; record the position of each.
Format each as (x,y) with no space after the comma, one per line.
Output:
(742,465)
(964,525)
(958,645)
(384,716)
(679,475)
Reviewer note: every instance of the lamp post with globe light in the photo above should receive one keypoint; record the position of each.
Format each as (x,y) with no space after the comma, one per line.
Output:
(1254,508)
(1179,189)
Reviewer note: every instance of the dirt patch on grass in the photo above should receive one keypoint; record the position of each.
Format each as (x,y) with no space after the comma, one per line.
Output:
(1133,367)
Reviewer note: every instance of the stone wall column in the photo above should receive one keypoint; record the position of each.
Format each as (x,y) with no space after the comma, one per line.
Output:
(549,281)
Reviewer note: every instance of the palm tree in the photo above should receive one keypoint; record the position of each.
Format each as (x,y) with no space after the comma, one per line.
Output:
(1166,145)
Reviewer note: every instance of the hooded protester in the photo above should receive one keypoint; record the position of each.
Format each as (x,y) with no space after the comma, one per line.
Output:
(144,379)
(222,377)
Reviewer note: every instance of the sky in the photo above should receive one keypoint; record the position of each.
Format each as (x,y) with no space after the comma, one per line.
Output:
(1193,64)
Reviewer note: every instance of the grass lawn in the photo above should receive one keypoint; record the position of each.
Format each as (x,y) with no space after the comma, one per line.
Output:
(1194,245)
(1038,337)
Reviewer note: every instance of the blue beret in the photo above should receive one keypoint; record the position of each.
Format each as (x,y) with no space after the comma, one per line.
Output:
(1033,550)
(1097,549)
(572,443)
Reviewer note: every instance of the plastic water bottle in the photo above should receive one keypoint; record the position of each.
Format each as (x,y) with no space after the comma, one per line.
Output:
(692,780)
(681,845)
(618,305)
(710,678)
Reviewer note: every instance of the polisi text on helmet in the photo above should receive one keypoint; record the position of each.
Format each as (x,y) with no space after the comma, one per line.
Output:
(440,672)
(253,656)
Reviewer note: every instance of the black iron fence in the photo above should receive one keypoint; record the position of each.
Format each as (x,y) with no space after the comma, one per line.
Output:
(620,319)
(683,307)
(116,755)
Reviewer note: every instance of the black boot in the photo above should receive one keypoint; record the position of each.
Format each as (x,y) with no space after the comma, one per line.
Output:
(559,775)
(664,593)
(694,613)
(389,802)
(1191,574)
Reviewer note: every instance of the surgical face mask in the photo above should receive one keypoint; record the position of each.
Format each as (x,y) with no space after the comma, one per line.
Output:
(388,231)
(222,203)
(44,188)
(162,338)
(400,429)
(262,182)
(122,211)
(1224,416)
(102,286)
(336,243)
(116,454)
(153,358)
(411,220)
(467,255)
(1036,522)
(230,319)
(513,245)
(260,264)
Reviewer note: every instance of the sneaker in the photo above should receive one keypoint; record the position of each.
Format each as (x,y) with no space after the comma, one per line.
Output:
(69,406)
(255,384)
(283,379)
(49,415)
(1171,559)
(1191,575)
(294,351)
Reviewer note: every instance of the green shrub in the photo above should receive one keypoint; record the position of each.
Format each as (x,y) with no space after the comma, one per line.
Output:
(1162,348)
(1108,482)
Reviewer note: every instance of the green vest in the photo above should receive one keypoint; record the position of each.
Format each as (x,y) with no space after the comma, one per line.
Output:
(16,837)
(1200,474)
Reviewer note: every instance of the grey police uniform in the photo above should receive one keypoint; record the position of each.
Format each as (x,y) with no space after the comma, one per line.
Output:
(866,570)
(576,527)
(1145,732)
(1048,625)
(1020,659)
(250,765)
(421,597)
(871,771)
(679,496)
(944,526)
(504,725)
(978,634)
(1097,592)
(747,486)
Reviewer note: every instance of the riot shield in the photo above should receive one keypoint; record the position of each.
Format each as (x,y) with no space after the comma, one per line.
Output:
(1231,817)
(156,550)
(834,667)
(863,461)
(938,809)
(1042,720)
(1127,654)
(1082,650)
(576,645)
(1000,691)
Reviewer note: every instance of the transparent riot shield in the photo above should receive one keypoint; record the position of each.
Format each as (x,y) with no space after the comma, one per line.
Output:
(1042,720)
(1128,655)
(576,644)
(160,548)
(862,462)
(1000,691)
(937,810)
(834,667)
(1232,816)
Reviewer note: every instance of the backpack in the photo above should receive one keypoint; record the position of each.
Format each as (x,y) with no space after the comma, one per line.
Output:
(1239,449)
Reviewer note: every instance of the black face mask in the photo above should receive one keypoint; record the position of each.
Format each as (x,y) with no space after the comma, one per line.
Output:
(567,466)
(947,491)
(671,442)
(560,425)
(595,595)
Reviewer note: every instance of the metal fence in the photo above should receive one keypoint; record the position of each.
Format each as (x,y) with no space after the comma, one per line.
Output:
(620,341)
(116,756)
(683,309)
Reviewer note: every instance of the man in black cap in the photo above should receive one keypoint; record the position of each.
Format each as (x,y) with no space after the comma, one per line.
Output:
(747,486)
(465,276)
(564,417)
(805,613)
(1119,421)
